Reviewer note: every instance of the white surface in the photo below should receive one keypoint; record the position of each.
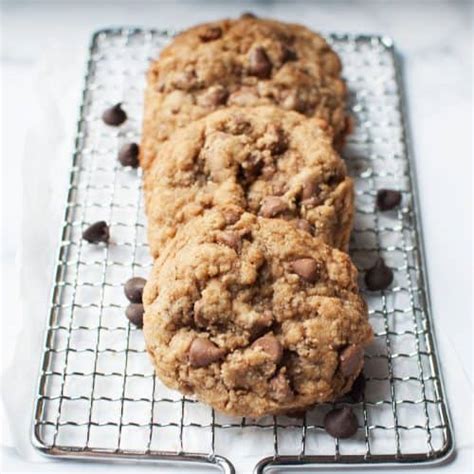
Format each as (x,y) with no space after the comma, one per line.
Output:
(40,97)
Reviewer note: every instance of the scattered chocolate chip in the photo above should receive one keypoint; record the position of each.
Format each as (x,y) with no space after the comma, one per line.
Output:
(303,224)
(280,388)
(306,268)
(231,239)
(351,359)
(288,54)
(204,352)
(210,34)
(248,15)
(341,423)
(214,96)
(128,155)
(97,232)
(379,276)
(271,345)
(134,313)
(114,115)
(259,63)
(358,388)
(272,206)
(133,289)
(388,199)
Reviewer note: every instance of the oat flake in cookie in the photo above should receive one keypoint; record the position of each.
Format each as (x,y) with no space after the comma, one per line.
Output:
(266,160)
(244,329)
(244,62)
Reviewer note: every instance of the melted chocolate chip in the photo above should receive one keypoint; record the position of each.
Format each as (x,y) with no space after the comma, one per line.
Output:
(210,34)
(204,352)
(97,232)
(306,268)
(114,115)
(270,344)
(259,63)
(231,239)
(272,206)
(379,276)
(303,224)
(128,155)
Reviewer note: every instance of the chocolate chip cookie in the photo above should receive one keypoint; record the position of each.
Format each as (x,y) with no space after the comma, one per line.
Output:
(254,316)
(244,62)
(266,160)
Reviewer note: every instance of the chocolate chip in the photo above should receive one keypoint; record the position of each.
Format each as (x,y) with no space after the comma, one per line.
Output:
(358,388)
(210,34)
(306,268)
(341,423)
(204,352)
(280,388)
(232,215)
(310,188)
(97,232)
(128,155)
(351,360)
(115,115)
(379,276)
(214,96)
(303,224)
(288,54)
(388,199)
(134,313)
(133,289)
(272,206)
(231,239)
(248,15)
(259,63)
(198,313)
(251,167)
(270,344)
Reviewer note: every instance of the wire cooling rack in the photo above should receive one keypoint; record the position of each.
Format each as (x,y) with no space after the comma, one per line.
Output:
(97,395)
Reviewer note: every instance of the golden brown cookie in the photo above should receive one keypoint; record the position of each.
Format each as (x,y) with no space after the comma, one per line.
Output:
(244,62)
(266,160)
(254,316)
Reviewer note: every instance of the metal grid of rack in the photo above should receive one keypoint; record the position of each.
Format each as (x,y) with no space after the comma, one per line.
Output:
(97,395)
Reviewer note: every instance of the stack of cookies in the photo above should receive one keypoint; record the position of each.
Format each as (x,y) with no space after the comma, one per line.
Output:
(252,304)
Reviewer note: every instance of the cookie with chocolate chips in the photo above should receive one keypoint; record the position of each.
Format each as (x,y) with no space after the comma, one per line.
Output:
(245,62)
(267,321)
(265,160)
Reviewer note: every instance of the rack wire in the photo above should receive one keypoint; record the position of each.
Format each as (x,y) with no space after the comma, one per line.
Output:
(97,394)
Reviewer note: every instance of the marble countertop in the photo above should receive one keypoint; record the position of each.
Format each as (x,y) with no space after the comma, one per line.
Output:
(434,39)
